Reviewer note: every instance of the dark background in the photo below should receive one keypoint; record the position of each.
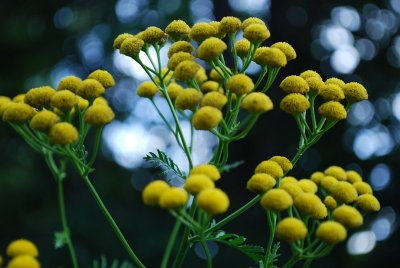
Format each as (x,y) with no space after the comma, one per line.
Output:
(36,38)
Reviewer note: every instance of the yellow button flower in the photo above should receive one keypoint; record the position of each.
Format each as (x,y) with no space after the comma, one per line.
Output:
(285,163)
(335,81)
(186,70)
(152,192)
(271,57)
(330,202)
(291,229)
(99,115)
(23,261)
(131,46)
(201,31)
(207,169)
(315,84)
(213,201)
(147,89)
(20,98)
(348,216)
(355,92)
(260,183)
(17,112)
(344,191)
(317,176)
(276,200)
(252,20)
(206,118)
(90,89)
(214,99)
(328,182)
(63,133)
(64,100)
(22,247)
(174,90)
(44,120)
(70,83)
(180,46)
(294,84)
(308,186)
(270,167)
(230,25)
(331,232)
(256,33)
(210,86)
(368,203)
(188,99)
(332,110)
(215,74)
(310,204)
(353,176)
(257,102)
(177,58)
(211,48)
(331,92)
(177,30)
(337,172)
(120,39)
(240,84)
(362,187)
(153,35)
(292,188)
(39,97)
(173,198)
(242,47)
(196,183)
(104,77)
(294,103)
(289,179)
(309,74)
(287,49)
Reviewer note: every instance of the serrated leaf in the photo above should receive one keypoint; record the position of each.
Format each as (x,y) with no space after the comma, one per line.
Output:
(60,239)
(229,167)
(161,160)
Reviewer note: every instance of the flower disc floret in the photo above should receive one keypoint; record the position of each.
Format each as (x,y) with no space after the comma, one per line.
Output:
(294,103)
(230,25)
(289,179)
(147,89)
(337,172)
(90,89)
(310,204)
(39,97)
(178,29)
(331,232)
(173,198)
(213,201)
(196,183)
(131,46)
(99,115)
(328,182)
(271,57)
(294,84)
(186,70)
(362,187)
(153,191)
(256,33)
(344,191)
(287,49)
(291,229)
(153,35)
(335,81)
(188,99)
(214,99)
(330,202)
(285,163)
(63,133)
(70,83)
(309,74)
(44,120)
(201,31)
(348,216)
(276,200)
(177,58)
(270,167)
(257,102)
(64,100)
(82,103)
(292,188)
(120,39)
(18,112)
(179,46)
(210,86)
(201,76)
(211,48)
(260,183)
(20,98)
(355,92)
(368,203)
(207,169)
(308,186)
(215,74)
(104,77)
(242,47)
(252,20)
(206,118)
(315,84)
(332,110)
(240,84)
(317,176)
(353,176)
(23,261)
(331,92)
(218,32)
(173,90)
(22,247)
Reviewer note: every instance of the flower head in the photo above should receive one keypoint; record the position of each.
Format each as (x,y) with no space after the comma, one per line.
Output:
(213,201)
(276,200)
(196,183)
(330,202)
(289,179)
(39,97)
(17,112)
(337,172)
(99,115)
(287,49)
(311,204)
(335,81)
(285,163)
(147,89)
(90,89)
(257,102)
(188,99)
(256,33)
(120,39)
(206,118)
(177,30)
(22,247)
(353,176)
(309,74)
(210,86)
(292,188)
(348,216)
(331,232)
(362,187)
(131,46)
(177,58)
(44,120)
(20,98)
(230,25)
(332,110)
(328,182)
(215,74)
(64,100)
(201,31)
(331,92)
(240,84)
(317,176)
(104,77)
(218,33)
(252,20)
(291,229)
(70,83)
(153,191)
(211,48)
(308,186)
(173,198)
(207,169)
(63,133)
(294,84)
(271,57)
(344,191)
(173,90)
(242,47)
(23,261)
(368,203)
(294,103)
(214,99)
(186,70)
(179,46)
(153,35)
(355,92)
(270,167)
(315,84)
(260,183)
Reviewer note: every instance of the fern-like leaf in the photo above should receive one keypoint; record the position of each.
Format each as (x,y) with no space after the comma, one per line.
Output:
(229,167)
(162,161)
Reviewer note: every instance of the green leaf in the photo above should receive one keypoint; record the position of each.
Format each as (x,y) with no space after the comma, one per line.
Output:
(60,239)
(103,263)
(229,167)
(161,160)
(255,252)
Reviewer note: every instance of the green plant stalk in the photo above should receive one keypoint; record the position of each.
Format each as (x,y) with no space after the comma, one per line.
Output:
(233,48)
(170,245)
(110,219)
(206,251)
(96,147)
(271,216)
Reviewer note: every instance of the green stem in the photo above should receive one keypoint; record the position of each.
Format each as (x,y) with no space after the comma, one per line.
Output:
(312,109)
(170,244)
(110,219)
(271,216)
(292,261)
(234,53)
(207,252)
(96,147)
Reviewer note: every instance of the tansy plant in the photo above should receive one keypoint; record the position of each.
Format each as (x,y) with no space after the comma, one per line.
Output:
(311,214)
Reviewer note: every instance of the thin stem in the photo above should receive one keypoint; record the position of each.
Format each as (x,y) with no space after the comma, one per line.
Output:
(234,53)
(312,109)
(110,219)
(96,147)
(170,245)
(271,216)
(207,252)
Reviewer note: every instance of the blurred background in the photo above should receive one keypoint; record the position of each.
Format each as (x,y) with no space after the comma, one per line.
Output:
(43,41)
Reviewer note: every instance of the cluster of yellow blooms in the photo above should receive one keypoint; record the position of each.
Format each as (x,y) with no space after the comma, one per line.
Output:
(200,183)
(50,110)
(23,254)
(344,194)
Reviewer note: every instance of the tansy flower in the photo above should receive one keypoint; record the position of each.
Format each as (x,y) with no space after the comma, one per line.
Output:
(210,86)
(362,187)
(287,49)
(23,261)
(39,97)
(104,77)
(270,167)
(344,191)
(207,169)
(213,201)
(131,46)
(188,99)
(353,176)
(315,84)
(214,99)
(257,102)
(20,98)
(99,115)
(206,118)
(153,191)
(310,204)
(211,48)
(331,92)
(332,110)
(44,120)
(173,198)
(294,103)
(271,57)
(70,83)
(121,38)
(368,203)
(291,229)
(229,24)
(201,75)
(64,100)
(186,70)
(173,90)
(276,200)
(331,232)
(4,102)
(177,58)
(100,101)
(335,81)
(285,163)
(289,179)
(355,92)
(256,33)
(215,74)
(239,84)
(308,186)
(147,89)
(82,103)
(90,89)
(153,35)
(218,33)
(317,176)
(179,46)
(196,183)
(348,216)
(337,172)
(292,188)
(294,84)
(17,112)
(22,247)
(63,133)
(260,183)
(252,20)
(242,47)
(201,31)
(177,30)
(309,74)
(330,202)
(328,182)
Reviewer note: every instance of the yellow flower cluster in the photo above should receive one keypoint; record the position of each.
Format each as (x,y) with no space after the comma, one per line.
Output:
(23,254)
(50,111)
